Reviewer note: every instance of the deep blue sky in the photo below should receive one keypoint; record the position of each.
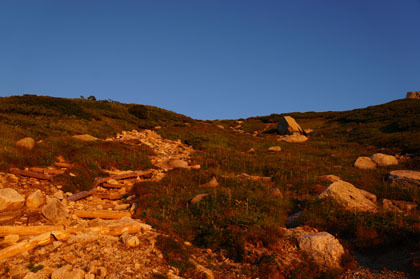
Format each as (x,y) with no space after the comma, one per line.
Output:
(213,59)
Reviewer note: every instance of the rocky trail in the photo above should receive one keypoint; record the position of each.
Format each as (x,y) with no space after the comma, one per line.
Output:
(50,234)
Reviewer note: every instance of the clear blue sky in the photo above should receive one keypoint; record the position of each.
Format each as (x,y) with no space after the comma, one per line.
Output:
(213,59)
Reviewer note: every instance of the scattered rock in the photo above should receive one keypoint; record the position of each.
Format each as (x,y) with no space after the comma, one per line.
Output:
(211,184)
(198,198)
(288,126)
(220,126)
(177,163)
(404,178)
(413,95)
(308,131)
(398,206)
(365,163)
(27,143)
(274,149)
(130,240)
(82,238)
(67,272)
(329,178)
(54,210)
(295,138)
(205,272)
(59,195)
(251,151)
(10,200)
(35,200)
(85,137)
(275,192)
(324,248)
(350,197)
(384,160)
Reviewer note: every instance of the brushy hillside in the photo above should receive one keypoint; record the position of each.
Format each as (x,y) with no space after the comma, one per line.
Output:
(392,125)
(240,212)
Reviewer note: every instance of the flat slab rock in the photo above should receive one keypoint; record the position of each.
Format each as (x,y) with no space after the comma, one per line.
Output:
(404,177)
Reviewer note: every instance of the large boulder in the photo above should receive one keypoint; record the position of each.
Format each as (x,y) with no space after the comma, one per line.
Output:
(85,137)
(384,160)
(324,248)
(404,177)
(27,143)
(10,200)
(54,210)
(35,200)
(350,197)
(365,163)
(413,95)
(288,126)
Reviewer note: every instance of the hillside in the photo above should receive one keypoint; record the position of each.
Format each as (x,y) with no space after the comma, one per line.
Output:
(249,221)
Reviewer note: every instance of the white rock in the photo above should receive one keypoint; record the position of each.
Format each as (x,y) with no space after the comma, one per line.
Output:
(365,163)
(211,184)
(274,149)
(295,138)
(350,197)
(324,248)
(27,143)
(130,240)
(35,200)
(384,160)
(10,200)
(198,198)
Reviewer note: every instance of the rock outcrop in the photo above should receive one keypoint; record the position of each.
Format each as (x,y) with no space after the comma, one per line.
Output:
(10,200)
(324,248)
(288,126)
(27,143)
(384,160)
(365,163)
(413,95)
(404,178)
(350,197)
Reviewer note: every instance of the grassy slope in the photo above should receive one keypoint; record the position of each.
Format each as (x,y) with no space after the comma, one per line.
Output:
(238,210)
